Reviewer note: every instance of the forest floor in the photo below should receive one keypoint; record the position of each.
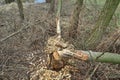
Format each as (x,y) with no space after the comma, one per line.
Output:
(22,55)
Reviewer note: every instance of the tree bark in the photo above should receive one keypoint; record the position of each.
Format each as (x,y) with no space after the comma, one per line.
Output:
(20,6)
(48,1)
(102,23)
(9,1)
(59,59)
(75,19)
(52,7)
(105,57)
(59,8)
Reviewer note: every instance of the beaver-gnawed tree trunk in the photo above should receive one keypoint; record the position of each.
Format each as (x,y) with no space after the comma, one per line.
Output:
(75,19)
(102,23)
(20,6)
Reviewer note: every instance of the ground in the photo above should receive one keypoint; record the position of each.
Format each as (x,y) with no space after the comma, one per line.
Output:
(22,55)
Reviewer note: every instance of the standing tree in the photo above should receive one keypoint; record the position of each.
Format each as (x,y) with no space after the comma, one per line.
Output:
(9,1)
(20,6)
(102,23)
(52,7)
(75,19)
(48,1)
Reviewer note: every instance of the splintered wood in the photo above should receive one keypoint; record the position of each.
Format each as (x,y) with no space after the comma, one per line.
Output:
(59,52)
(54,44)
(81,55)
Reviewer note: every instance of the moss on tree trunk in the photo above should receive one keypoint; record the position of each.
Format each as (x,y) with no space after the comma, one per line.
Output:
(102,23)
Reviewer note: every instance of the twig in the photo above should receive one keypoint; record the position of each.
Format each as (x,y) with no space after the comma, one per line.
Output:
(4,66)
(13,34)
(93,71)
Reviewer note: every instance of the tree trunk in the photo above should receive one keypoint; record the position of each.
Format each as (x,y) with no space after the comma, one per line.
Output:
(75,19)
(58,59)
(52,7)
(105,57)
(48,1)
(59,8)
(9,1)
(20,6)
(102,23)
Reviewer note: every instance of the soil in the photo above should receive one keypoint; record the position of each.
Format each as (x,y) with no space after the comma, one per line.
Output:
(22,55)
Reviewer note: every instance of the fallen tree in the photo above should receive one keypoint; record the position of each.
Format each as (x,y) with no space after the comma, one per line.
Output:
(60,52)
(105,57)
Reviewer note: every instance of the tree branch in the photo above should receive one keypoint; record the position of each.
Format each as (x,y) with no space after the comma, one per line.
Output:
(3,39)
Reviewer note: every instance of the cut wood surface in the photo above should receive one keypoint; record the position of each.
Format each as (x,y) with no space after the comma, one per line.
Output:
(105,57)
